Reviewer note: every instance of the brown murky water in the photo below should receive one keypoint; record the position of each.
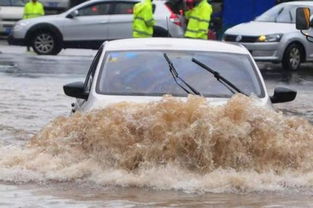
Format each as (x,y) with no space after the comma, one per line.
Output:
(161,154)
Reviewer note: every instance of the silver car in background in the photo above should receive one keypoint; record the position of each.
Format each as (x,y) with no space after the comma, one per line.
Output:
(273,36)
(89,24)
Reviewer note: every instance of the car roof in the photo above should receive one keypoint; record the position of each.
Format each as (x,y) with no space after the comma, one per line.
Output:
(173,44)
(307,3)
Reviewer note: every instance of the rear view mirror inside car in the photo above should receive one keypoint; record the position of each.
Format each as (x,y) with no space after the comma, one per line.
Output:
(303,18)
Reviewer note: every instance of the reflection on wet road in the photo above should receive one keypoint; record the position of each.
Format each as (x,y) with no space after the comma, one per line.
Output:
(301,81)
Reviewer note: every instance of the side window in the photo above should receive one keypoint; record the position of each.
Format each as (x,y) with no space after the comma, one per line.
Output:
(102,8)
(124,7)
(92,70)
(287,15)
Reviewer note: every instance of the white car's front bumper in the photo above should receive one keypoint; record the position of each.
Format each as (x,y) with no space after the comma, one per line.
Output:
(266,51)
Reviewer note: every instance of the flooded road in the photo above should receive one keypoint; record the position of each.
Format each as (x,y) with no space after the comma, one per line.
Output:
(32,96)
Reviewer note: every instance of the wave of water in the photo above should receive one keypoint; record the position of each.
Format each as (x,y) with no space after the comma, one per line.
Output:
(170,145)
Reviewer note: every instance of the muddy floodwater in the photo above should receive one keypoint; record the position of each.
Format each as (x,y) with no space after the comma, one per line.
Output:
(169,153)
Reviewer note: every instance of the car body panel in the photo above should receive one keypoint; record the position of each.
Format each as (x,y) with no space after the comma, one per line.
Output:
(20,33)
(121,25)
(97,101)
(95,28)
(177,44)
(254,28)
(9,15)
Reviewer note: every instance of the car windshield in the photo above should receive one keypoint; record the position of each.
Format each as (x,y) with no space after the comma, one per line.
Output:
(280,14)
(12,3)
(147,73)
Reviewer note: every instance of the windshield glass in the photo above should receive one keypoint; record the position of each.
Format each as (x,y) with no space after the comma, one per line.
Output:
(147,73)
(279,13)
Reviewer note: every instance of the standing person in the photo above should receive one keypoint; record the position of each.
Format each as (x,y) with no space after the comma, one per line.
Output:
(143,21)
(198,20)
(32,9)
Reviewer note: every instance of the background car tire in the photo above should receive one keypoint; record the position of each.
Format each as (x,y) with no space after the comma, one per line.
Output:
(293,56)
(45,43)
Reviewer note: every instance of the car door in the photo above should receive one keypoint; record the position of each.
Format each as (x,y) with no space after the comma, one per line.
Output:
(121,20)
(89,23)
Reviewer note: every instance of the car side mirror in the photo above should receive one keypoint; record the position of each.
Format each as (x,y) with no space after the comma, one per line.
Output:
(73,14)
(303,18)
(282,94)
(76,89)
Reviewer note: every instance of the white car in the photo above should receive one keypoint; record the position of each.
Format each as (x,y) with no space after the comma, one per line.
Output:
(142,70)
(11,11)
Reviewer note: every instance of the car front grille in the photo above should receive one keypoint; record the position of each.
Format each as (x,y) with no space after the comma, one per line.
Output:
(241,38)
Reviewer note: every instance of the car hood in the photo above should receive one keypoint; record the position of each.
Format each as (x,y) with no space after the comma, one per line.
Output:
(260,28)
(105,100)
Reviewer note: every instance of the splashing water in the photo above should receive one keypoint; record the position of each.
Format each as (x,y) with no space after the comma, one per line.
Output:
(171,144)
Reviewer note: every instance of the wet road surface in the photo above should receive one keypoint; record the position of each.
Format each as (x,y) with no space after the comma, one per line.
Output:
(31,96)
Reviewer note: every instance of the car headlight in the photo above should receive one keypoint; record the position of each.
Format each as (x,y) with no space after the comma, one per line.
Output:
(20,24)
(270,38)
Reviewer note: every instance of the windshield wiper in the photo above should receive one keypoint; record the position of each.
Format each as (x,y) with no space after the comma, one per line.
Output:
(176,76)
(230,86)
